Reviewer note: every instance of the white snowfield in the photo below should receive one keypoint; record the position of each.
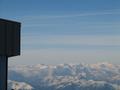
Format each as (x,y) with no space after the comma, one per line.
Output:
(18,85)
(101,76)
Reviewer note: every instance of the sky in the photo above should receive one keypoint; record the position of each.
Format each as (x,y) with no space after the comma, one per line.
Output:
(66,31)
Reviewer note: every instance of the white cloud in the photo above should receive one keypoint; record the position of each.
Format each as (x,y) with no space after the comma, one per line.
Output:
(63,55)
(108,40)
(96,13)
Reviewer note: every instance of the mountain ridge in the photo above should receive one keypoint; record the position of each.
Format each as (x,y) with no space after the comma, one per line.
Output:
(63,76)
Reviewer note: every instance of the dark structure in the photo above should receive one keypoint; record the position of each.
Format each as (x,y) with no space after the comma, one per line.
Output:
(9,47)
(9,38)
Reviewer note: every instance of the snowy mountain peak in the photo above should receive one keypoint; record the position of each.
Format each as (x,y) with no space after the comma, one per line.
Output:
(18,85)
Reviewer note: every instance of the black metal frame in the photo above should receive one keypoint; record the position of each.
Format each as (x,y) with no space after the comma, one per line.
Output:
(9,47)
(3,72)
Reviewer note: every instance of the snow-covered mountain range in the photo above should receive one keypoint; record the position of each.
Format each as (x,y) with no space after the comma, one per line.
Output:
(101,76)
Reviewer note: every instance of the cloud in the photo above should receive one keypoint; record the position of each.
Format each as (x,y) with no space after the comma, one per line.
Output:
(72,40)
(53,53)
(68,55)
(96,13)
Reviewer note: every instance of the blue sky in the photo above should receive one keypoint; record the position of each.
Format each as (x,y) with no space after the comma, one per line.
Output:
(66,31)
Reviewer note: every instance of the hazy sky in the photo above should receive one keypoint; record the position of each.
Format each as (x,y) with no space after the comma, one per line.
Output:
(66,31)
